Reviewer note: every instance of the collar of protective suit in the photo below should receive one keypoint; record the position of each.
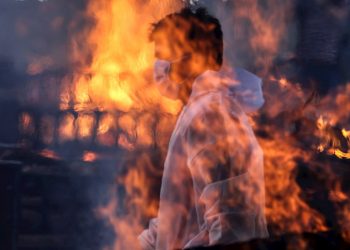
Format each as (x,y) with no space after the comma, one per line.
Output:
(238,83)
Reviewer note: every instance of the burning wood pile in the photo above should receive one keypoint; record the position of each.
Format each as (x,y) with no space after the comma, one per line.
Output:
(91,141)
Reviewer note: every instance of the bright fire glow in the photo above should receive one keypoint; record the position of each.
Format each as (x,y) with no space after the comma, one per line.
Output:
(119,79)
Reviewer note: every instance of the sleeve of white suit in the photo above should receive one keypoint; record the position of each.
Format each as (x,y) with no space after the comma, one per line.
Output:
(148,237)
(218,159)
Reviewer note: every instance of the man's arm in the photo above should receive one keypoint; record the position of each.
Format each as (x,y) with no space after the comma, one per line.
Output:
(148,237)
(218,158)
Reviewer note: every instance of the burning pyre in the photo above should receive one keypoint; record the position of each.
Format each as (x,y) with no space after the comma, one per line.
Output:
(111,101)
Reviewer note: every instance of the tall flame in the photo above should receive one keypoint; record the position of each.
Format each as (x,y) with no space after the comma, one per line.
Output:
(119,76)
(119,79)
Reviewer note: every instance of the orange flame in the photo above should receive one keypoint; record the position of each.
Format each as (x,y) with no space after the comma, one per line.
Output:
(119,78)
(85,124)
(67,128)
(269,24)
(122,59)
(49,154)
(26,123)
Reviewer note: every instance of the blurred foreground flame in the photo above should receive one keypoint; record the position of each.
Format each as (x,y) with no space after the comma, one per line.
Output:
(119,79)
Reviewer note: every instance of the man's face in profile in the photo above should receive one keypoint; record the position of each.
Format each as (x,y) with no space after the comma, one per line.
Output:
(171,46)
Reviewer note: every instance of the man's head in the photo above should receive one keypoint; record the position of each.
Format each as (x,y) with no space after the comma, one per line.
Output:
(192,41)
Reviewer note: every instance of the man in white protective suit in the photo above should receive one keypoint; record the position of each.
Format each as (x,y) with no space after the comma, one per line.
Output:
(212,190)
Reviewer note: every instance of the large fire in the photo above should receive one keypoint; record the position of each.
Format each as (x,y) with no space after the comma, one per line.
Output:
(118,84)
(119,77)
(119,74)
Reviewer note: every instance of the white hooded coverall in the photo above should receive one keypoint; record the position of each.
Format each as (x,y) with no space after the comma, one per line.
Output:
(212,190)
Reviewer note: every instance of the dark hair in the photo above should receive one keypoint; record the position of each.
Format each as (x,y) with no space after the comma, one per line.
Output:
(203,33)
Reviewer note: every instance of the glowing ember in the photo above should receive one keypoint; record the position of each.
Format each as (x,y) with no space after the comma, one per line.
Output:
(67,128)
(85,125)
(106,130)
(89,156)
(26,123)
(49,154)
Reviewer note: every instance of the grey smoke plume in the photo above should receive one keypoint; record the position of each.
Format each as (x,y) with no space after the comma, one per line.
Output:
(35,34)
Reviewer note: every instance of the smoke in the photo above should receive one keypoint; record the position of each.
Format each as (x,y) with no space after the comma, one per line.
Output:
(35,34)
(254,30)
(38,32)
(35,52)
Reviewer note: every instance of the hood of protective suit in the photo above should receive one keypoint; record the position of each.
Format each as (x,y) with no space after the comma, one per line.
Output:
(244,87)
